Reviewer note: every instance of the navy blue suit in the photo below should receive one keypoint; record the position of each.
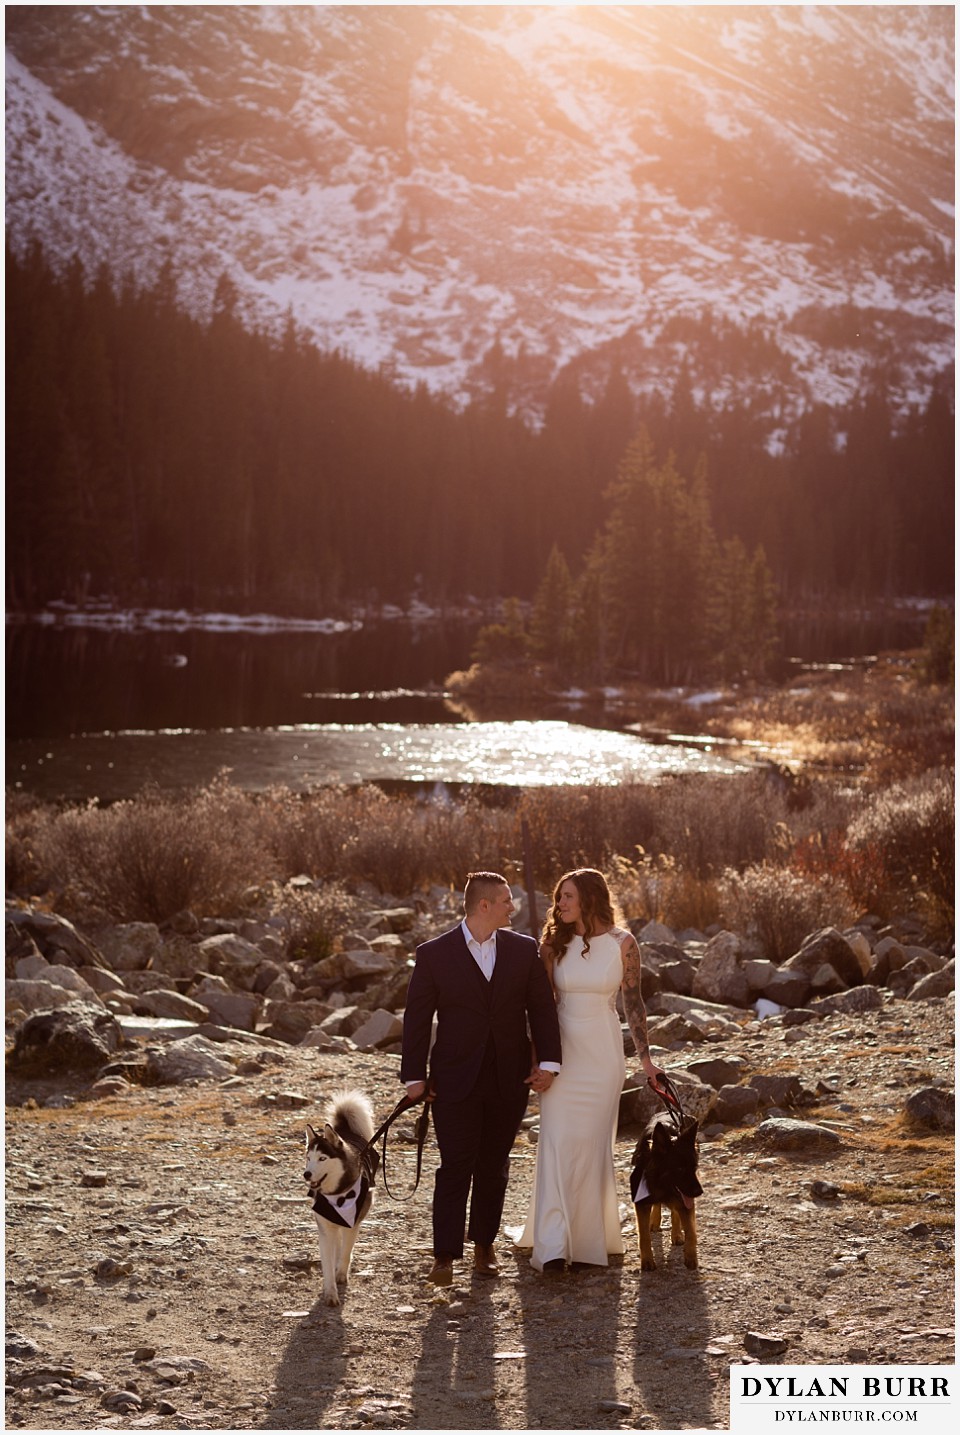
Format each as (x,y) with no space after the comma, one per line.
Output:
(478,1069)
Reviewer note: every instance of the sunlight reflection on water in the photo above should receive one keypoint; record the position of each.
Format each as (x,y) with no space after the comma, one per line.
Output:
(523,754)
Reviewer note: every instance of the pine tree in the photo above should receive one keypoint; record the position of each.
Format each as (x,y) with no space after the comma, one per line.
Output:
(552,618)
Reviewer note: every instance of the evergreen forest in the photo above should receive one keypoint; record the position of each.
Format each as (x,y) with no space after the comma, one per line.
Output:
(158,459)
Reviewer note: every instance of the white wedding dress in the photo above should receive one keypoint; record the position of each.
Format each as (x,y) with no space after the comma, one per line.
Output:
(573,1211)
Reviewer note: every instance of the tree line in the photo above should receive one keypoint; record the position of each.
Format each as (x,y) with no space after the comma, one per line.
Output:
(157,458)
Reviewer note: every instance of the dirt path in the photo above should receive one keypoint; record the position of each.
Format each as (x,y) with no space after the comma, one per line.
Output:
(162,1260)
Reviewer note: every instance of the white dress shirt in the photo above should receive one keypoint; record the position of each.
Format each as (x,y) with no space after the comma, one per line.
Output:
(483,953)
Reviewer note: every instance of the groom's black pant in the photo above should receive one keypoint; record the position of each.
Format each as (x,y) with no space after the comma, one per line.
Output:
(474,1136)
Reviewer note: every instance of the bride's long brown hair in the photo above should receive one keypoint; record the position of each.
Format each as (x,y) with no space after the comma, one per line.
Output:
(596,910)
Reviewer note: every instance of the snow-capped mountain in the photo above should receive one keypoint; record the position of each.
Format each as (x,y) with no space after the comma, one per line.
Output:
(471,195)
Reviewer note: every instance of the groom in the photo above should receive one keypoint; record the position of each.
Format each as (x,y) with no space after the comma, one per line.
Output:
(484,985)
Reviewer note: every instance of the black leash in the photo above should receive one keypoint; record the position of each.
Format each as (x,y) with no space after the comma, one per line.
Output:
(670,1097)
(423,1124)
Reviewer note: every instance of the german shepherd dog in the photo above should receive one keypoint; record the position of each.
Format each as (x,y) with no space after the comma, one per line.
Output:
(339,1174)
(665,1174)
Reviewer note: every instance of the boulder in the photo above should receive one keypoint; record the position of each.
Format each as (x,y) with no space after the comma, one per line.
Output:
(165,1003)
(267,974)
(391,993)
(322,1042)
(826,981)
(676,976)
(381,1028)
(34,965)
(100,980)
(937,984)
(281,989)
(789,989)
(190,1059)
(860,946)
(655,932)
(719,976)
(239,1009)
(781,1133)
(827,945)
(180,958)
(850,1003)
(718,1071)
(51,934)
(38,995)
(393,919)
(232,957)
(130,947)
(345,1021)
(776,1090)
(933,1107)
(72,1039)
(759,972)
(734,1103)
(290,1021)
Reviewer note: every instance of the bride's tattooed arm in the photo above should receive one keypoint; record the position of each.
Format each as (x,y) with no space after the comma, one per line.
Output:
(633,1007)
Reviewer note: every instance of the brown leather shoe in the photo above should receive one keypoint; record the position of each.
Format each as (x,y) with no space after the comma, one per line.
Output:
(485,1262)
(442,1272)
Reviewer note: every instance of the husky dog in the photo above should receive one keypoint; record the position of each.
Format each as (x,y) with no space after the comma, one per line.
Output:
(665,1174)
(339,1173)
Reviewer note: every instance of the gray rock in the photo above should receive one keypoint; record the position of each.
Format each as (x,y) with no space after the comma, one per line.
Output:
(787,988)
(232,957)
(718,1071)
(757,1343)
(239,1009)
(345,1021)
(827,945)
(933,1107)
(130,947)
(393,919)
(734,1103)
(776,1090)
(161,1002)
(936,984)
(189,1059)
(73,1039)
(51,933)
(38,996)
(101,980)
(322,1042)
(783,1134)
(852,1002)
(379,1030)
(656,932)
(720,977)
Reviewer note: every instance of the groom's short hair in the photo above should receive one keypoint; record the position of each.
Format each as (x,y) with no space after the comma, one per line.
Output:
(480,885)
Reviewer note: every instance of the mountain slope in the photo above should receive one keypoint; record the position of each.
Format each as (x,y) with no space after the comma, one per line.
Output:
(485,196)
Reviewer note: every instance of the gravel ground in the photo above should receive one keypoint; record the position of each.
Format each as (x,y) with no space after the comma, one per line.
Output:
(163,1272)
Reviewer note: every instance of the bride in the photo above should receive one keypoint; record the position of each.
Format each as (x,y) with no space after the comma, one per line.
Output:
(573,1216)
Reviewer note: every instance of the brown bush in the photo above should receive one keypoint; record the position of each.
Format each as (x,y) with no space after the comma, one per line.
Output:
(780,907)
(146,859)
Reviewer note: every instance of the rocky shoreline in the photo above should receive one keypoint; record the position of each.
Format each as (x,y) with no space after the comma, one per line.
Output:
(163,1273)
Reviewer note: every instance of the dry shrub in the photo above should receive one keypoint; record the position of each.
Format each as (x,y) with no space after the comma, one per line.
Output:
(911,827)
(315,918)
(709,823)
(657,889)
(780,907)
(584,826)
(398,843)
(27,823)
(146,859)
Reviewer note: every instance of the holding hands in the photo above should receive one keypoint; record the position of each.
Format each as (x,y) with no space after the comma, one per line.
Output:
(540,1080)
